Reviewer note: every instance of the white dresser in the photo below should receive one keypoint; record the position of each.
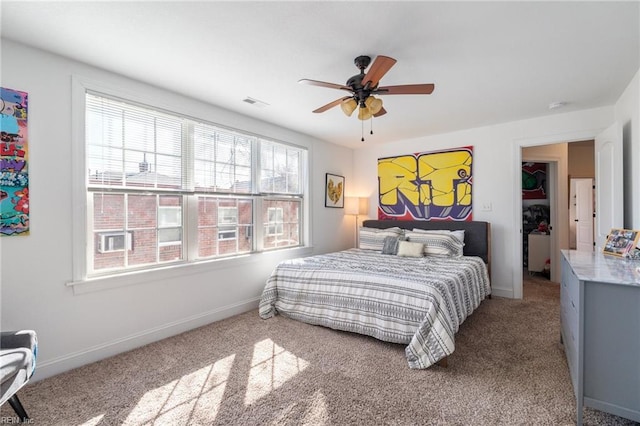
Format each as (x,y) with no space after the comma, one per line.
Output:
(600,330)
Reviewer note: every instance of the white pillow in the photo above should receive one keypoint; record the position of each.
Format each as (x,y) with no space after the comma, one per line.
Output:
(438,244)
(459,233)
(373,238)
(409,249)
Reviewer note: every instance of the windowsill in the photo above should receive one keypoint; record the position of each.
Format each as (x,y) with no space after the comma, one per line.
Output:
(94,284)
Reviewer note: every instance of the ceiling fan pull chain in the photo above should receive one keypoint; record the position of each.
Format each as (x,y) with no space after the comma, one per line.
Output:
(371,132)
(362,122)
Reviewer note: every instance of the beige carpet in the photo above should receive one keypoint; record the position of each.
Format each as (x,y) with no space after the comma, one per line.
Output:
(508,369)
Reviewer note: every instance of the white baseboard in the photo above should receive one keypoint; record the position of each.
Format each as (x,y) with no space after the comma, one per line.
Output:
(68,362)
(502,292)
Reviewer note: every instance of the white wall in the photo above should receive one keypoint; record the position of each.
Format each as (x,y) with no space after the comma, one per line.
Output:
(627,113)
(74,329)
(582,160)
(496,175)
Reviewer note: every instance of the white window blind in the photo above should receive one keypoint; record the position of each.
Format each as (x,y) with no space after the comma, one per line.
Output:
(280,168)
(130,146)
(222,160)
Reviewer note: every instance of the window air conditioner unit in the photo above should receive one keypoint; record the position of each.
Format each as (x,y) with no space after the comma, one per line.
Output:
(115,241)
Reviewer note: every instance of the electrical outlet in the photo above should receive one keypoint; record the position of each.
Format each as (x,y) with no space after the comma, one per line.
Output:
(486,207)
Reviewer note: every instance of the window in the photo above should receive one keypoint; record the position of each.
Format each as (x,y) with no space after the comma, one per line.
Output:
(275,221)
(164,189)
(227,223)
(281,220)
(169,223)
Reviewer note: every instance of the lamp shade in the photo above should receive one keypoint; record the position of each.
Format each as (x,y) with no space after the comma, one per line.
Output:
(374,104)
(351,205)
(364,113)
(356,205)
(363,205)
(348,106)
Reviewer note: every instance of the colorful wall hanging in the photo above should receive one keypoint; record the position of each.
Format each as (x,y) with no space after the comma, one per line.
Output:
(14,172)
(534,181)
(426,186)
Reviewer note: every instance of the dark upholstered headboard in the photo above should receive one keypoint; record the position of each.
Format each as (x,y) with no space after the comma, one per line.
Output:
(477,235)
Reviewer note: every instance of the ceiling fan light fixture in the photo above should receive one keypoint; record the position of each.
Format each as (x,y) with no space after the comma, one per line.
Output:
(348,106)
(364,113)
(362,86)
(373,104)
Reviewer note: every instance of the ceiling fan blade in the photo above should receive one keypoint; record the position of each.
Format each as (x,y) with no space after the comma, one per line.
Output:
(380,66)
(324,84)
(405,89)
(381,112)
(331,104)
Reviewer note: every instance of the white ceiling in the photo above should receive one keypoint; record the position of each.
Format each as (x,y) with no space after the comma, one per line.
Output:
(491,62)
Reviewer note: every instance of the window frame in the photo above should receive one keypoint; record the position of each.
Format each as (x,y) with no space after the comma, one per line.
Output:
(172,224)
(177,225)
(275,223)
(226,225)
(156,99)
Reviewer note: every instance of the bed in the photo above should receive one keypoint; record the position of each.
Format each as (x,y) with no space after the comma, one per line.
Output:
(416,299)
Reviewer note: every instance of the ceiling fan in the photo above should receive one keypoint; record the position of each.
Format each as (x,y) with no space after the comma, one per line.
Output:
(362,88)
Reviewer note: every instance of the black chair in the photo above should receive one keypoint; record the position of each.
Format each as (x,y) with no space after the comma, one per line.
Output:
(18,352)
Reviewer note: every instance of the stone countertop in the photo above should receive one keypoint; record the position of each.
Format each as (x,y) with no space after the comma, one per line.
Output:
(592,266)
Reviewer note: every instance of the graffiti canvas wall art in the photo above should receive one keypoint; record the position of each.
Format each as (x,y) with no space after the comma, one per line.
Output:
(426,186)
(534,181)
(14,172)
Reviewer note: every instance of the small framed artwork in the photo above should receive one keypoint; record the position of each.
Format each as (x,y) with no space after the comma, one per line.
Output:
(621,242)
(334,191)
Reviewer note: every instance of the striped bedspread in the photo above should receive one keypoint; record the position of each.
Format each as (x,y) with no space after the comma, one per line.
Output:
(420,302)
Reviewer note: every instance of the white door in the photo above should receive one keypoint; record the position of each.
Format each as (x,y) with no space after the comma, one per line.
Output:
(572,214)
(609,183)
(584,214)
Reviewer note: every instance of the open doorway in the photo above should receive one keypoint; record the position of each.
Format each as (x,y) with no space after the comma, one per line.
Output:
(537,188)
(548,203)
(609,192)
(582,172)
(547,230)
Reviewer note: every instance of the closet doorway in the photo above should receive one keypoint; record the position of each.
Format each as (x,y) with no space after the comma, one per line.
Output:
(548,216)
(544,220)
(538,207)
(610,190)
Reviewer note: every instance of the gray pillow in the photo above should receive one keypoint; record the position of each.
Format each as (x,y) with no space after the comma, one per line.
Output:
(390,244)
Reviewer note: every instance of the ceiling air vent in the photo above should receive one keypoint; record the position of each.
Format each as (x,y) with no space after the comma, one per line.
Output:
(255,102)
